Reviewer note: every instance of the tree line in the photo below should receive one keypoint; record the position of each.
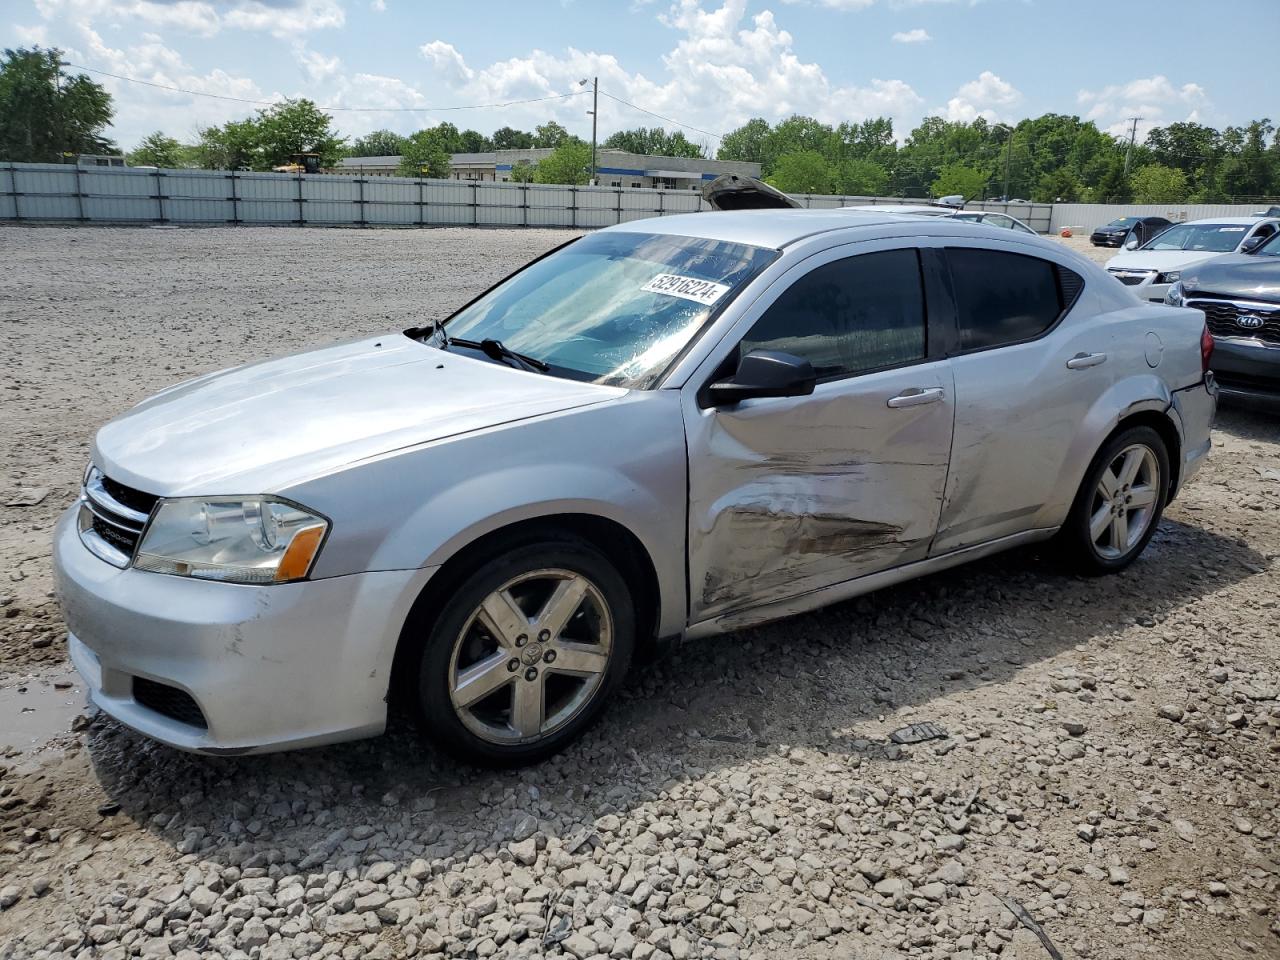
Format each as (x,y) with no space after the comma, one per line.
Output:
(48,116)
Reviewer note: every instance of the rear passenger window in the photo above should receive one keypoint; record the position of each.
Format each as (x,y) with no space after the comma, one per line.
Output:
(1003,297)
(849,316)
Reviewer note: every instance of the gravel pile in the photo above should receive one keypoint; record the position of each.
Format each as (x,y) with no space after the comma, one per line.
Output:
(1100,778)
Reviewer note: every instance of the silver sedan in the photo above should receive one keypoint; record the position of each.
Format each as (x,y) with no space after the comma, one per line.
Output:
(667,429)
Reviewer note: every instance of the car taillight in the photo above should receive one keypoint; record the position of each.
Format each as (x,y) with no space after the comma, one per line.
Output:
(1206,349)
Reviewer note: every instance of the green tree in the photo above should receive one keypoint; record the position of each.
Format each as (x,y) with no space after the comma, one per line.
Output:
(654,141)
(863,178)
(550,134)
(296,126)
(45,114)
(569,163)
(1113,186)
(508,138)
(805,171)
(157,150)
(523,172)
(745,143)
(1156,183)
(959,178)
(232,146)
(379,143)
(472,141)
(424,155)
(1054,185)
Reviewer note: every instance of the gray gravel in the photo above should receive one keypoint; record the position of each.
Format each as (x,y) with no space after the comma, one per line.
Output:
(1108,773)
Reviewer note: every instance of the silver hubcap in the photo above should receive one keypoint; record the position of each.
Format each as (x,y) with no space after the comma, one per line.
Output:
(1124,502)
(531,656)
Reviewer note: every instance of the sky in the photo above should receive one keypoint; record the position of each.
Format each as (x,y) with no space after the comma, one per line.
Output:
(709,65)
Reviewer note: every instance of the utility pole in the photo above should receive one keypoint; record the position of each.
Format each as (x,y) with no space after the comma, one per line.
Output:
(1133,135)
(1008,156)
(595,113)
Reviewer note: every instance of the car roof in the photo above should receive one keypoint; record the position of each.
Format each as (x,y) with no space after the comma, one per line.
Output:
(924,209)
(1248,221)
(761,228)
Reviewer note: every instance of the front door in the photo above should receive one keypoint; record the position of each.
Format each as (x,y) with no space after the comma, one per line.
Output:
(790,495)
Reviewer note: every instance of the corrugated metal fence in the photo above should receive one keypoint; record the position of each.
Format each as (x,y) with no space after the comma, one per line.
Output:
(131,195)
(60,192)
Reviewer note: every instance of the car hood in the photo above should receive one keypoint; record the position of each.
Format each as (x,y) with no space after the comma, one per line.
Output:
(1111,228)
(1162,260)
(1237,275)
(732,192)
(264,427)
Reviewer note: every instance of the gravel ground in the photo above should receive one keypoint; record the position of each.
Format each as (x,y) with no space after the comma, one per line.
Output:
(1110,768)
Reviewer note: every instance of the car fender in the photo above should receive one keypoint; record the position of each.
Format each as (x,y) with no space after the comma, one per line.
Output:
(1140,393)
(623,461)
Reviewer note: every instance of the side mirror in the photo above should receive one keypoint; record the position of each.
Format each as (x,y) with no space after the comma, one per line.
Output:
(1252,244)
(1131,243)
(765,373)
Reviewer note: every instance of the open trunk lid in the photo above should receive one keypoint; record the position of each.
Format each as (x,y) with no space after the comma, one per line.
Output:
(732,192)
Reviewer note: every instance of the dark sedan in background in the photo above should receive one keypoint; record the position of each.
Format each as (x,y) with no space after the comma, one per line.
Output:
(1113,234)
(1240,296)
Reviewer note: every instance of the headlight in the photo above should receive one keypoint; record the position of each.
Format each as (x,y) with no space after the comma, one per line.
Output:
(1173,297)
(233,539)
(1171,277)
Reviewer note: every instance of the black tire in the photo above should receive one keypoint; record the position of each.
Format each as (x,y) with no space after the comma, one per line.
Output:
(432,671)
(1076,537)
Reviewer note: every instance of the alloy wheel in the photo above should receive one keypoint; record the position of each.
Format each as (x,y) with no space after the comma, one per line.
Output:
(1124,502)
(531,656)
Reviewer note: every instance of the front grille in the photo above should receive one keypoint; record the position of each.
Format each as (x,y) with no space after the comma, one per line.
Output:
(1131,279)
(169,702)
(112,517)
(1221,317)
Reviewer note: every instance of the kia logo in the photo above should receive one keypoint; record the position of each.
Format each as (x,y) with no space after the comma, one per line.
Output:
(1248,321)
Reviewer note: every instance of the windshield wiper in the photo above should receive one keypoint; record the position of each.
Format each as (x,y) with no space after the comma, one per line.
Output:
(497,350)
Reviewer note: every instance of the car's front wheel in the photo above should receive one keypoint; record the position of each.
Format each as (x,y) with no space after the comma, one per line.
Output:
(1120,502)
(524,654)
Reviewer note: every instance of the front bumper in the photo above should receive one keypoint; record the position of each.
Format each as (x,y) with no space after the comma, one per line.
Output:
(1107,239)
(1248,369)
(1146,288)
(269,667)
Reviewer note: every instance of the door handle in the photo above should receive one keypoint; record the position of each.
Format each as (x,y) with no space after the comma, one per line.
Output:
(1082,360)
(915,396)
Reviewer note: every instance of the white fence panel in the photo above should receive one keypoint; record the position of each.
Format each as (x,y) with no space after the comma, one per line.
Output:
(196,184)
(47,178)
(391,214)
(199,210)
(267,186)
(1083,217)
(121,209)
(387,190)
(47,207)
(268,211)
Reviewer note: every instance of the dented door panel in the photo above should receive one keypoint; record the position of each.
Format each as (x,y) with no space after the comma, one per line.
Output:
(791,495)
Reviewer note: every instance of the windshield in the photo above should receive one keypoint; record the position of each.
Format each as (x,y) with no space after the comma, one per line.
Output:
(1209,237)
(612,308)
(1123,222)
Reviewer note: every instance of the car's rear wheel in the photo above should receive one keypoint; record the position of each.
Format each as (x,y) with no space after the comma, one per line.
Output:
(523,656)
(1119,505)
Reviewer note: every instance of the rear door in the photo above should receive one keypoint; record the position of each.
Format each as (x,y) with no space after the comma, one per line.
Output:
(1025,378)
(792,494)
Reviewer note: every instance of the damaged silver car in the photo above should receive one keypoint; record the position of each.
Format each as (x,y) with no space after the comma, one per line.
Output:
(670,428)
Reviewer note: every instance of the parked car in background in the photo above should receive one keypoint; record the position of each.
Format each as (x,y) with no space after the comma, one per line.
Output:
(1113,234)
(1150,269)
(1240,297)
(672,427)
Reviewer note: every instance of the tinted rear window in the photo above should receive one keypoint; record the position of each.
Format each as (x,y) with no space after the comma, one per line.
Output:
(1002,297)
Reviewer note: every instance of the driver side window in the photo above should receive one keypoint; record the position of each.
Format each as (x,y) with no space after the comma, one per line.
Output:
(849,316)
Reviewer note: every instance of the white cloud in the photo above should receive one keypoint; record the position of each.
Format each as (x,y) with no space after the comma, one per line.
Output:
(724,68)
(33,35)
(980,98)
(1156,100)
(280,17)
(378,6)
(918,35)
(318,66)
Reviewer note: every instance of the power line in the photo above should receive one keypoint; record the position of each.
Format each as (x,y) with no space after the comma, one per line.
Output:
(271,103)
(687,126)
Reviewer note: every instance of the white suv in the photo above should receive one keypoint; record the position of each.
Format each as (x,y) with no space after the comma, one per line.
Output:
(1158,264)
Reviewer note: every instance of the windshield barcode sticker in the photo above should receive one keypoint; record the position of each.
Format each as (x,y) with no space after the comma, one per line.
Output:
(687,288)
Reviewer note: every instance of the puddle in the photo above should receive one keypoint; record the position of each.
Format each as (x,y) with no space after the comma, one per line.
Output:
(34,710)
